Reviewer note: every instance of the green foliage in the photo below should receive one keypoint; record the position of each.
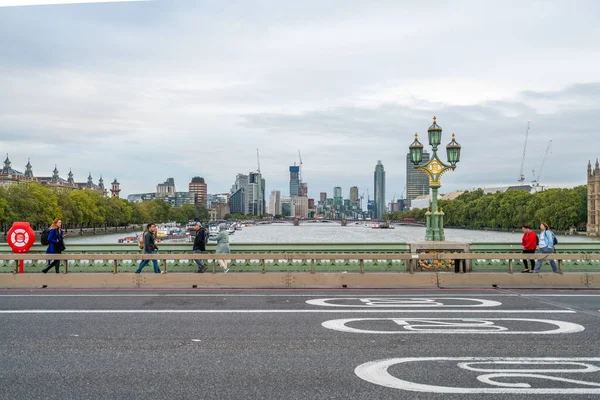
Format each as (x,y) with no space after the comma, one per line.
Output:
(559,208)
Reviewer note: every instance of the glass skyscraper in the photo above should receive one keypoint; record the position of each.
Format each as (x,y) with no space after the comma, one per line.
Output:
(294,180)
(417,182)
(379,198)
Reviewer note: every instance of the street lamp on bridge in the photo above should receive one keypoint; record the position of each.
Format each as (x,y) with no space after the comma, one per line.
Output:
(434,169)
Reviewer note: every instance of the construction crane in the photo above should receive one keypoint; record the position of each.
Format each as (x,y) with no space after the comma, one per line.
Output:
(521,175)
(300,171)
(536,179)
(258,161)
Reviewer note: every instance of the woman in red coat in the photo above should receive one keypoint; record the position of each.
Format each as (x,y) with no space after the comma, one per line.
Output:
(529,243)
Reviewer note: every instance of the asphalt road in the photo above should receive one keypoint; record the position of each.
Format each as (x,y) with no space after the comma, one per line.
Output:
(299,344)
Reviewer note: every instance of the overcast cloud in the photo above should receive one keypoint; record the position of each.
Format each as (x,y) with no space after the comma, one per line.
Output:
(149,90)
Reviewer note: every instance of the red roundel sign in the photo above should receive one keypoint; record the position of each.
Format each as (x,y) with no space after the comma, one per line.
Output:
(20,237)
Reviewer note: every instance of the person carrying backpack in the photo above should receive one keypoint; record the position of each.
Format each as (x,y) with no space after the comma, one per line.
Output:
(529,243)
(150,247)
(200,245)
(56,244)
(547,241)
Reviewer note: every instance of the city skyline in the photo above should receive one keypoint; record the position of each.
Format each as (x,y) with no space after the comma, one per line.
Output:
(143,92)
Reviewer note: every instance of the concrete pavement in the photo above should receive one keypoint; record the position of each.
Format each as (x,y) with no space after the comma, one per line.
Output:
(299,344)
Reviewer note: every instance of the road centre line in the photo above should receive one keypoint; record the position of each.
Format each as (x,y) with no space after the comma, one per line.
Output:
(317,311)
(296,295)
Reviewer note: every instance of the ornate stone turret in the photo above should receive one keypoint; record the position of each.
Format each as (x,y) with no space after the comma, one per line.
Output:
(70,180)
(597,169)
(28,170)
(101,183)
(593,191)
(55,177)
(7,168)
(115,188)
(90,182)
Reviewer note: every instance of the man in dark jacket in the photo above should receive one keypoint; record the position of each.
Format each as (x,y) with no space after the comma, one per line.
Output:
(200,245)
(149,248)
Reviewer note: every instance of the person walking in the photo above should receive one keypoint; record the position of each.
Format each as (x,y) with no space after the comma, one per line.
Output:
(223,246)
(529,243)
(546,246)
(56,244)
(150,247)
(200,245)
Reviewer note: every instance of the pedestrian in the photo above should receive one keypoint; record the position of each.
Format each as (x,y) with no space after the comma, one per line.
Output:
(150,247)
(223,246)
(56,244)
(529,243)
(200,245)
(546,246)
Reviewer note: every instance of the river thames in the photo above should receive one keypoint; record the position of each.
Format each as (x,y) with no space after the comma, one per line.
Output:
(335,233)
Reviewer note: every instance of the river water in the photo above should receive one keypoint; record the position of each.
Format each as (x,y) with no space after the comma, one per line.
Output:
(335,233)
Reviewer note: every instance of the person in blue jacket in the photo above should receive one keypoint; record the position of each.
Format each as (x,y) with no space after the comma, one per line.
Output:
(546,246)
(56,244)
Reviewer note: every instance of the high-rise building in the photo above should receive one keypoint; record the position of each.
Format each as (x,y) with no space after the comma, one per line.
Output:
(256,194)
(593,190)
(198,190)
(337,192)
(300,206)
(237,201)
(294,180)
(379,197)
(275,202)
(323,197)
(303,189)
(417,182)
(353,194)
(286,207)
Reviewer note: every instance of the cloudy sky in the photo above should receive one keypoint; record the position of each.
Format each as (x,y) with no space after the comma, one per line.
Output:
(143,91)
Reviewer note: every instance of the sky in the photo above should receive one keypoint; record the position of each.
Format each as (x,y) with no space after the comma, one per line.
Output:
(144,91)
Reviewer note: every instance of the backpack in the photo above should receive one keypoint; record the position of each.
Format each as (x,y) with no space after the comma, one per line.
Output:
(206,236)
(554,239)
(537,240)
(44,237)
(141,241)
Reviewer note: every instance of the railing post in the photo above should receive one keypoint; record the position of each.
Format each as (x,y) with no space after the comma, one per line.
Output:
(165,266)
(362,266)
(214,263)
(560,262)
(66,266)
(510,266)
(16,271)
(115,262)
(262,265)
(312,266)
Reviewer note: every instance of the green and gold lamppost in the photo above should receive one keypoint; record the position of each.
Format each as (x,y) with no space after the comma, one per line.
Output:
(434,169)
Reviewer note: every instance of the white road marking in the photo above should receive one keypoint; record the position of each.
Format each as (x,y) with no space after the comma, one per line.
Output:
(376,372)
(373,302)
(287,295)
(452,326)
(271,311)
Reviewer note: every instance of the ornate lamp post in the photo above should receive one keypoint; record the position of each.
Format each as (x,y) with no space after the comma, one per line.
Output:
(434,169)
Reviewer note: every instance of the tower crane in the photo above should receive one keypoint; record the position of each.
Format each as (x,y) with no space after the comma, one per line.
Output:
(521,176)
(536,179)
(300,171)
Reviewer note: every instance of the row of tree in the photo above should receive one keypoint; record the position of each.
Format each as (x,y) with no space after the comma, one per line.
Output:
(39,205)
(562,209)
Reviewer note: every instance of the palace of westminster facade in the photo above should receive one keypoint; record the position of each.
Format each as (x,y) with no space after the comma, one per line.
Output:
(9,176)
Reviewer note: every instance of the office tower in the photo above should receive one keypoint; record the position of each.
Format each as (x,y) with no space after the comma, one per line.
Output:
(163,189)
(323,197)
(417,182)
(353,194)
(303,189)
(379,197)
(294,180)
(337,192)
(197,189)
(275,202)
(256,194)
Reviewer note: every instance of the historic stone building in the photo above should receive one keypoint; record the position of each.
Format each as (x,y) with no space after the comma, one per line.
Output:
(9,176)
(593,189)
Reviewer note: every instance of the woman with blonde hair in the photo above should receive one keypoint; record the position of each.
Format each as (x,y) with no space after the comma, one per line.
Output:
(56,244)
(546,246)
(223,246)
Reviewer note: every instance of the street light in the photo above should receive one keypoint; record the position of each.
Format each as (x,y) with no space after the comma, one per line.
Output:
(434,169)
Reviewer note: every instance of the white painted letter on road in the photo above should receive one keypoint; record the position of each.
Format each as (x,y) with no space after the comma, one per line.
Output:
(487,375)
(404,302)
(507,326)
